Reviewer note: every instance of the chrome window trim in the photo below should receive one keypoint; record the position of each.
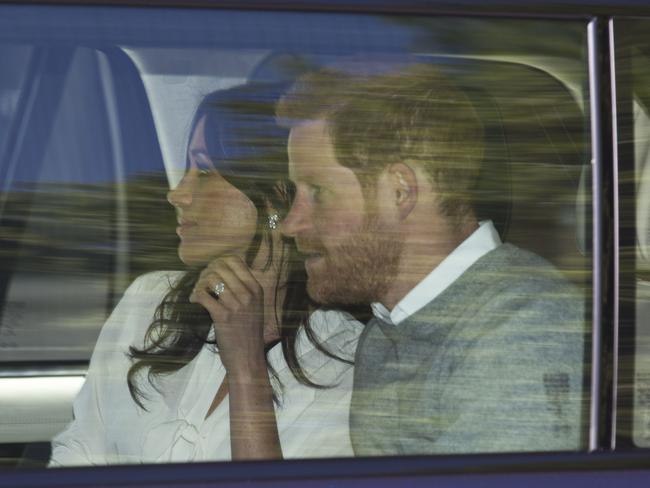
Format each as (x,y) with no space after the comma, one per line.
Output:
(41,370)
(604,236)
(596,162)
(616,227)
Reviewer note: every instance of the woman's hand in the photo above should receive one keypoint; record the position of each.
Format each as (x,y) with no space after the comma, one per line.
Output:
(238,320)
(237,313)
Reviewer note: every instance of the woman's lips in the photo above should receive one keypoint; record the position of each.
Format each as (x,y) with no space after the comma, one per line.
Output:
(184,227)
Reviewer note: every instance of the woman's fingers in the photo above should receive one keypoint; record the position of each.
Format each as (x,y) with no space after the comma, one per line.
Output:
(229,282)
(214,306)
(237,312)
(236,267)
(233,288)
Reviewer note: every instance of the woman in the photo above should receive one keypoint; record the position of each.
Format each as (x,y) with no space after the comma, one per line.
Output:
(191,366)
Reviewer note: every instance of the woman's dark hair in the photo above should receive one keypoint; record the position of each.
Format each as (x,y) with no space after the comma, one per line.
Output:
(250,151)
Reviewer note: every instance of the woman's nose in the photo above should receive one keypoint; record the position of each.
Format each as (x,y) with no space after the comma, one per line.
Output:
(181,196)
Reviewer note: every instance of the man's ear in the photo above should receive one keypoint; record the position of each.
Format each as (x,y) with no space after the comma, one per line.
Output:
(404,184)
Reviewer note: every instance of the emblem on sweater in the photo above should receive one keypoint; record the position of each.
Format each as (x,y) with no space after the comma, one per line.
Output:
(556,386)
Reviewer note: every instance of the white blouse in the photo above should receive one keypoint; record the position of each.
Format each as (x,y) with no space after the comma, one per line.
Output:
(109,428)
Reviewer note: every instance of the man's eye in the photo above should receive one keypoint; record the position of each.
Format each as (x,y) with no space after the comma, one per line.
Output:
(316,193)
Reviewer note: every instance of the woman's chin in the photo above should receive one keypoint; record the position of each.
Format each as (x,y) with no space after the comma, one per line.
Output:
(192,258)
(198,256)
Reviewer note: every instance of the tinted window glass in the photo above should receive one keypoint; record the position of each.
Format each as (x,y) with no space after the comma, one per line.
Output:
(430,176)
(12,82)
(65,213)
(633,72)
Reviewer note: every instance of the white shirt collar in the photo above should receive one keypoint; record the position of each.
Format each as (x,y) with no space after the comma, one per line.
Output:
(483,240)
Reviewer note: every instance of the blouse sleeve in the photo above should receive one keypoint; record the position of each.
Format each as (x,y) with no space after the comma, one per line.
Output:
(83,442)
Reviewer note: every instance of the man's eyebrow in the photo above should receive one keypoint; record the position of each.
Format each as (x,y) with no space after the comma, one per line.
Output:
(305,178)
(296,175)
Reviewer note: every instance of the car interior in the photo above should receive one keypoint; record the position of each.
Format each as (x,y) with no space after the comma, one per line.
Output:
(95,130)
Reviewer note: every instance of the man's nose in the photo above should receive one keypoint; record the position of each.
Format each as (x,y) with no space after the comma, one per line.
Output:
(298,219)
(181,196)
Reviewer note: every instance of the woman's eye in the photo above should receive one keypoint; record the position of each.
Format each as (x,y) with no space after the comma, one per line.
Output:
(204,170)
(203,165)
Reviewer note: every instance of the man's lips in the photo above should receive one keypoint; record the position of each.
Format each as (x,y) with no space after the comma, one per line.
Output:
(310,251)
(307,253)
(310,257)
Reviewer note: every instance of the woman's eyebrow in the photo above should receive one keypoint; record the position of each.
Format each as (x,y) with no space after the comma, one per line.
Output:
(198,152)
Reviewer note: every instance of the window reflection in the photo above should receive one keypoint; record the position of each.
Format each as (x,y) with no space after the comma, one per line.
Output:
(88,233)
(634,188)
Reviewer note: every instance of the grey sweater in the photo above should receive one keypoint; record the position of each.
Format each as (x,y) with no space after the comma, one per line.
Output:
(494,363)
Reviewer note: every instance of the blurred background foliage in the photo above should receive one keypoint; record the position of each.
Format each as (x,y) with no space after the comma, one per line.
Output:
(79,228)
(512,37)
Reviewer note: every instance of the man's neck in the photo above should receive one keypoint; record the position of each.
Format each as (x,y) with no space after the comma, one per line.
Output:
(421,254)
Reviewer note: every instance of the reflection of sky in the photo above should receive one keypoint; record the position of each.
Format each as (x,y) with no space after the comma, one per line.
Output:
(321,33)
(75,142)
(81,142)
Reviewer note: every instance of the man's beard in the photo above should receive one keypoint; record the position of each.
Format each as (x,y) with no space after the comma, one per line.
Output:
(358,271)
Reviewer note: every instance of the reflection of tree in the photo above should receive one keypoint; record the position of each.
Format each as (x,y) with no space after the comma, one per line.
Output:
(152,224)
(73,228)
(535,131)
(633,75)
(480,36)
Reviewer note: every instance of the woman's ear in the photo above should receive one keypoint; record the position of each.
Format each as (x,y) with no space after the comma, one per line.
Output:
(404,183)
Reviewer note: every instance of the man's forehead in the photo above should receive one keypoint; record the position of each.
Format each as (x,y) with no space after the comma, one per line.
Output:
(310,149)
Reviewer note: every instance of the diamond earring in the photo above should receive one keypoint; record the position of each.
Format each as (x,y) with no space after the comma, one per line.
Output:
(273,221)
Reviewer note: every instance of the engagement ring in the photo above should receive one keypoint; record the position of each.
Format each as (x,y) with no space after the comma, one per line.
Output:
(219,288)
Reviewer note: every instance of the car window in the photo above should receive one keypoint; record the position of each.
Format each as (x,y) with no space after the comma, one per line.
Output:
(12,84)
(634,190)
(74,170)
(98,118)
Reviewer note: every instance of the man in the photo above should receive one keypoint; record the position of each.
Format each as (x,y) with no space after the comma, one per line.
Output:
(476,345)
